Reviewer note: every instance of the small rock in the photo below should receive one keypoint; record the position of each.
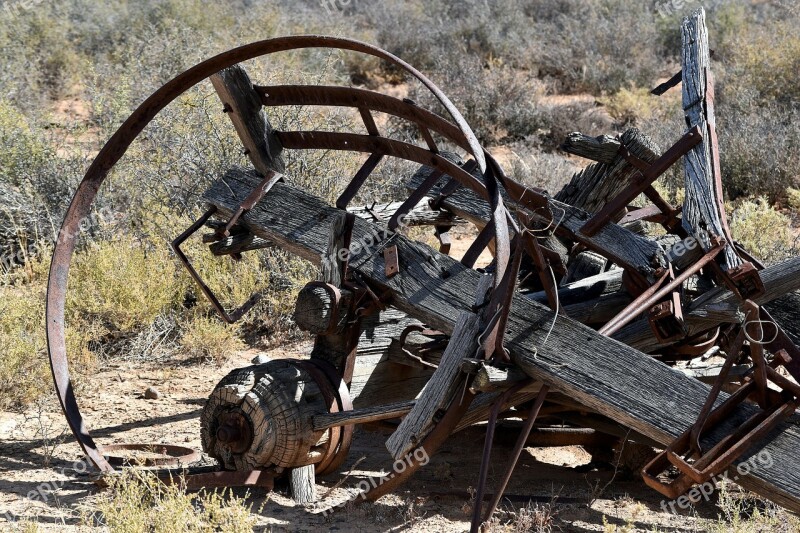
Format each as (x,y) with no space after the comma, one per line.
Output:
(260,359)
(152,393)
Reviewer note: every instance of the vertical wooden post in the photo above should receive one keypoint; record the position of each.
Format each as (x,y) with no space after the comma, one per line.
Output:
(243,105)
(703,209)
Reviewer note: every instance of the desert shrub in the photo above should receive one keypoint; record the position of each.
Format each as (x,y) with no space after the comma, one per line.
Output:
(34,185)
(548,171)
(23,374)
(630,106)
(209,339)
(123,283)
(744,512)
(600,46)
(498,102)
(793,197)
(759,149)
(763,231)
(137,502)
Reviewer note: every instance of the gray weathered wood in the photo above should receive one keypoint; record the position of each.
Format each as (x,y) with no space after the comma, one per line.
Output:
(362,416)
(702,208)
(593,187)
(490,378)
(439,389)
(603,149)
(584,265)
(717,306)
(237,244)
(420,215)
(618,244)
(785,310)
(303,484)
(377,378)
(601,373)
(243,105)
(315,310)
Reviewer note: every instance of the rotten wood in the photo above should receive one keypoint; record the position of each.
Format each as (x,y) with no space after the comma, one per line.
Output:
(439,389)
(603,149)
(717,306)
(593,187)
(613,241)
(703,209)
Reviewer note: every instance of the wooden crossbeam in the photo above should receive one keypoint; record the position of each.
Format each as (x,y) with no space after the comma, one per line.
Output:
(616,380)
(613,241)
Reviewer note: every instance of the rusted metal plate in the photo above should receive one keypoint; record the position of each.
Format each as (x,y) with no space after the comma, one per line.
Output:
(391,259)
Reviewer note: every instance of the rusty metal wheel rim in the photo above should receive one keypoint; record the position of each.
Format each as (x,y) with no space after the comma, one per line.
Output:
(118,145)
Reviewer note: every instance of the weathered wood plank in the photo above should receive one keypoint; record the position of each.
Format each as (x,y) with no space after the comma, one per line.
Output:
(702,208)
(490,378)
(603,149)
(439,389)
(377,379)
(593,187)
(419,215)
(237,244)
(613,241)
(601,373)
(717,306)
(243,105)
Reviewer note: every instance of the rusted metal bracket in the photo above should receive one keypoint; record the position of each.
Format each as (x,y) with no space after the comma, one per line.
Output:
(252,199)
(666,318)
(654,294)
(228,317)
(643,183)
(775,407)
(479,518)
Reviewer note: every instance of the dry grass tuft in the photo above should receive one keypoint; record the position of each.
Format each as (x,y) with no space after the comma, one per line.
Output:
(137,502)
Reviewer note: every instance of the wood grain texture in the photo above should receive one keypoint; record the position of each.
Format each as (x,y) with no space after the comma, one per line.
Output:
(440,388)
(243,105)
(612,241)
(602,373)
(717,306)
(702,208)
(603,149)
(594,186)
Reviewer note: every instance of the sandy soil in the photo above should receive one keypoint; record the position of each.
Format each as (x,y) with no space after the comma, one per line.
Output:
(38,457)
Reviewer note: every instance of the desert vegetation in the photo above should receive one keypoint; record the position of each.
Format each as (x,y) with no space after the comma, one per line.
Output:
(523,72)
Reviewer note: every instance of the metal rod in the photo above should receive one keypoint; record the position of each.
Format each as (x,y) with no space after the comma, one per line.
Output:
(648,298)
(487,454)
(520,445)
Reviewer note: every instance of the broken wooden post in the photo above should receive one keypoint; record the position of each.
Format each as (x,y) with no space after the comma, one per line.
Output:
(703,208)
(243,105)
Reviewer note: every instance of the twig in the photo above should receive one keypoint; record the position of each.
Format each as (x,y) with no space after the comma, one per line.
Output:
(341,481)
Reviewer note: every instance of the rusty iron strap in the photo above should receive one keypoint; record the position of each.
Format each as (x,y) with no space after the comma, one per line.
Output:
(651,296)
(522,442)
(231,317)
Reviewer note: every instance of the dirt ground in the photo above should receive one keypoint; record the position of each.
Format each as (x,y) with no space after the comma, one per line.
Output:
(40,467)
